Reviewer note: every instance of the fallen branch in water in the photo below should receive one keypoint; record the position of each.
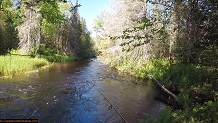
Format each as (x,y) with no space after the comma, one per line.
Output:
(162,87)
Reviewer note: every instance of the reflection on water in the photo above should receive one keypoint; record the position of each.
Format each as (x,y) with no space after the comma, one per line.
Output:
(76,92)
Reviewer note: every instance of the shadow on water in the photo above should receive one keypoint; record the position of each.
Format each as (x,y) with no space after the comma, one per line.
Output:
(76,92)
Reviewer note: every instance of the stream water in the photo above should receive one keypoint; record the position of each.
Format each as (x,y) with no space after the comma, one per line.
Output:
(77,92)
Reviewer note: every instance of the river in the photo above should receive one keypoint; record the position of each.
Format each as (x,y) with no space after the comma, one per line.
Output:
(77,92)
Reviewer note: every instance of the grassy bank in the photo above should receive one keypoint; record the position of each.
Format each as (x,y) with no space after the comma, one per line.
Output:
(14,65)
(11,65)
(196,87)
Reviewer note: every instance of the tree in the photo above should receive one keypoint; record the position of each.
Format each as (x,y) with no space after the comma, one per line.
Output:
(9,19)
(29,31)
(75,36)
(208,43)
(86,48)
(144,28)
(99,22)
(42,22)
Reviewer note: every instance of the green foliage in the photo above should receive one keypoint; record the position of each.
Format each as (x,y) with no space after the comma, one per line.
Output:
(58,58)
(14,65)
(15,52)
(64,8)
(51,12)
(45,50)
(184,76)
(99,23)
(166,115)
(43,22)
(186,79)
(9,19)
(156,66)
(52,18)
(48,29)
(184,98)
(103,43)
(176,75)
(86,49)
(5,4)
(124,64)
(206,113)
(53,55)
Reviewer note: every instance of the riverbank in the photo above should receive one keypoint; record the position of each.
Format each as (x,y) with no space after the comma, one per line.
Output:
(12,65)
(195,86)
(15,65)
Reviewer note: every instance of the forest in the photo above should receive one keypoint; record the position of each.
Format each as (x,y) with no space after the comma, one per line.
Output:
(173,42)
(48,31)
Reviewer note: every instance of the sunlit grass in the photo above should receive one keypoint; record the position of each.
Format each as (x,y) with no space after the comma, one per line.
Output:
(11,65)
(14,65)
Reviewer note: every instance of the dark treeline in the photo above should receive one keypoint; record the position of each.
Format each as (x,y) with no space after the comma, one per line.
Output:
(43,27)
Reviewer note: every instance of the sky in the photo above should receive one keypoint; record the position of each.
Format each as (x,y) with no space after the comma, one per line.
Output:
(90,9)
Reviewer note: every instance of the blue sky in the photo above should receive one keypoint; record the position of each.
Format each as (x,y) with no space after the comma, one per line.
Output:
(91,8)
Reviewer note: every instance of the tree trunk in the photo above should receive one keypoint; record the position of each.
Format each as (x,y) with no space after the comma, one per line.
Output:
(192,29)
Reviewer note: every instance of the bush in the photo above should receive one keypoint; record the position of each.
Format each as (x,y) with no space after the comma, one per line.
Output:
(206,113)
(53,55)
(184,76)
(58,58)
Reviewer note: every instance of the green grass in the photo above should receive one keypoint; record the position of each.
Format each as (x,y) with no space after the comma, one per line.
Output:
(11,65)
(14,65)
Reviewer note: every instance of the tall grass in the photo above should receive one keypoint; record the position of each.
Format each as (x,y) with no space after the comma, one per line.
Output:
(14,65)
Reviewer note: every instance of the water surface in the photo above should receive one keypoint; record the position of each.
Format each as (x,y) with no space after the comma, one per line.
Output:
(77,92)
